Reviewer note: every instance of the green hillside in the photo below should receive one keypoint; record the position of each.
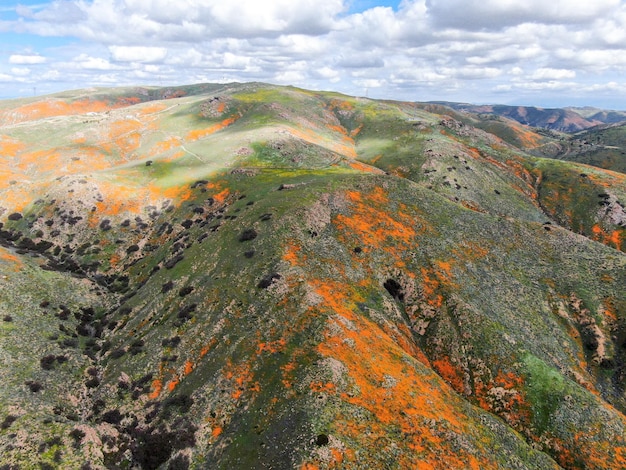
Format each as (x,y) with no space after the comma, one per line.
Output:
(251,276)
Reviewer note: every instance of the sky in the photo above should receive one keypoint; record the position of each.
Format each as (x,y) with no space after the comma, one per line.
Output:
(547,53)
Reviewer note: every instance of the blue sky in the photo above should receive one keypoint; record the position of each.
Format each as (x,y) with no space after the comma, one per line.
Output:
(556,53)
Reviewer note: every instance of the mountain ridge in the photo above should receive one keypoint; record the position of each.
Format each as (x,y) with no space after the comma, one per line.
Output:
(568,119)
(248,276)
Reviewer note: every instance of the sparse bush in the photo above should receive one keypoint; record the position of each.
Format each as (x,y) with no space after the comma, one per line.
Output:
(185,291)
(92,382)
(185,313)
(8,421)
(15,216)
(268,280)
(77,435)
(169,264)
(47,362)
(112,417)
(33,386)
(247,235)
(136,347)
(117,353)
(171,342)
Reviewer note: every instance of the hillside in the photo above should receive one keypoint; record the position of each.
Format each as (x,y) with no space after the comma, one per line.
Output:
(251,276)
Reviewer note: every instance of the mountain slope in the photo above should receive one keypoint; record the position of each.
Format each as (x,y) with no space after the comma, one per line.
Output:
(249,276)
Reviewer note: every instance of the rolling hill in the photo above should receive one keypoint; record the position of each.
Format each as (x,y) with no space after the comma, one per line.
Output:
(252,276)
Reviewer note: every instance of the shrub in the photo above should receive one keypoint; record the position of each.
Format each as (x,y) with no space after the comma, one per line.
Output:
(174,261)
(92,382)
(77,435)
(268,280)
(47,362)
(117,353)
(33,386)
(185,291)
(247,235)
(8,421)
(112,417)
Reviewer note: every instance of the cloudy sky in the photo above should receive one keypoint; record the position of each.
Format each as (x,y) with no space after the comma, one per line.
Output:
(533,52)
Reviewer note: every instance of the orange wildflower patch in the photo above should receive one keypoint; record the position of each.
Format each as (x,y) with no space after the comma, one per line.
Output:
(327,387)
(10,147)
(205,349)
(339,129)
(449,373)
(340,104)
(157,387)
(242,377)
(201,133)
(16,199)
(6,255)
(613,238)
(397,392)
(172,384)
(359,166)
(54,107)
(344,147)
(373,225)
(293,255)
(126,135)
(354,132)
(510,404)
(527,138)
(152,108)
(431,286)
(165,145)
(309,466)
(471,205)
(272,346)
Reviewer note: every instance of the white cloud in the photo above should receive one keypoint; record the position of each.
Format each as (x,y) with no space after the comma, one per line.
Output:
(137,53)
(30,59)
(470,49)
(497,14)
(552,74)
(20,71)
(88,62)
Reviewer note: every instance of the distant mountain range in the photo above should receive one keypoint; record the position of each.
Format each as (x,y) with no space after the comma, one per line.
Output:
(247,276)
(558,119)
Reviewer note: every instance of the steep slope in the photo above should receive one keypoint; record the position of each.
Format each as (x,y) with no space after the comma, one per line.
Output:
(248,276)
(604,147)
